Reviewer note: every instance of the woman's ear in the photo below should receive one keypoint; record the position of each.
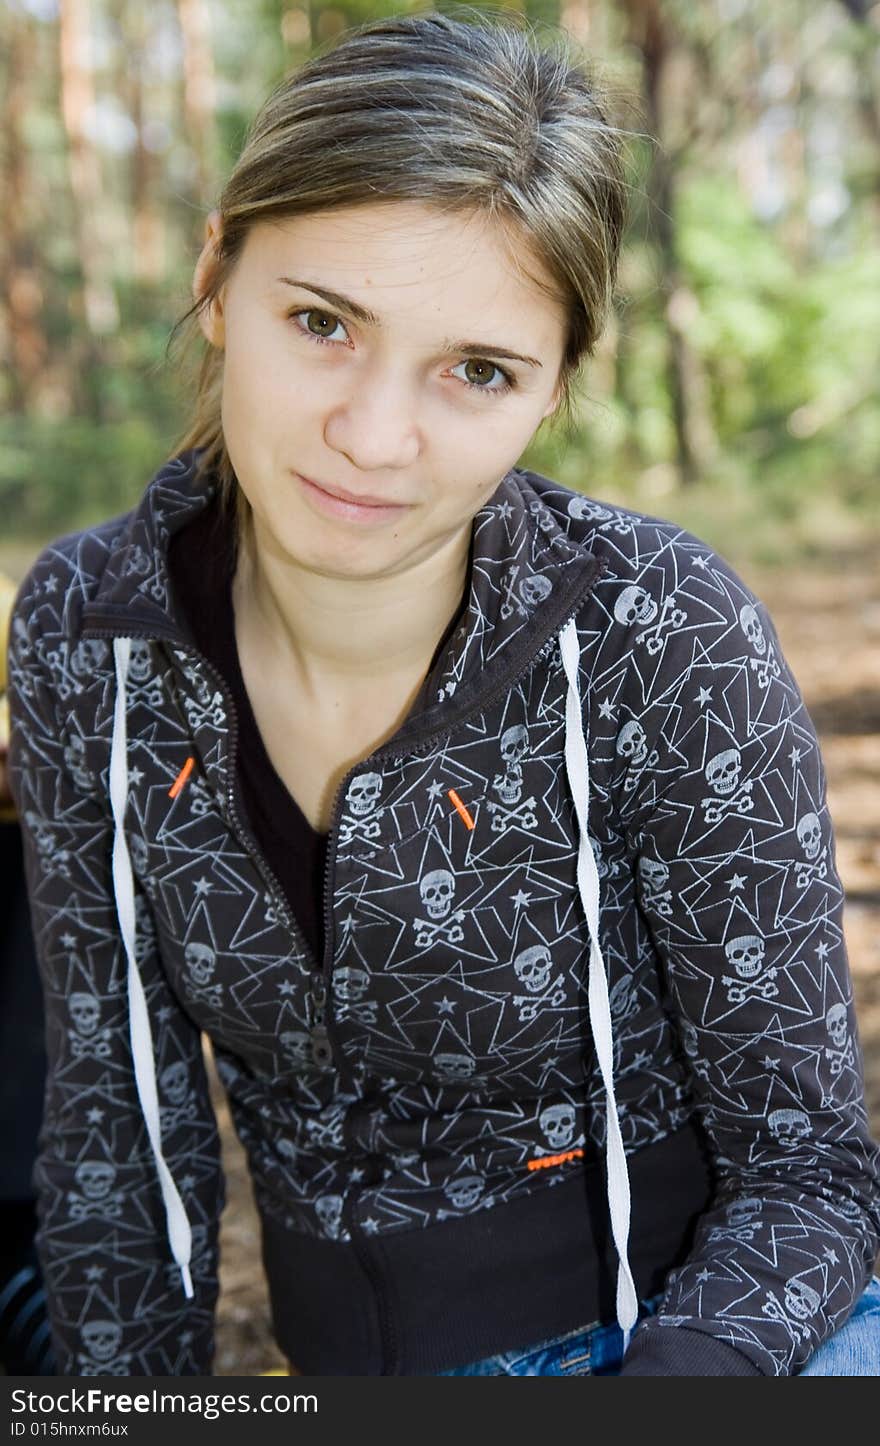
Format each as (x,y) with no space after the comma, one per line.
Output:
(211,316)
(554,400)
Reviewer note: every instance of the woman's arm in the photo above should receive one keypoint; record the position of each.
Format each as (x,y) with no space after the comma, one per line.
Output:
(115,1296)
(730,798)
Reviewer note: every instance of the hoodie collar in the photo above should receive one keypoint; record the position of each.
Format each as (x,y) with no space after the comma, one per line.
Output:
(526,578)
(134,595)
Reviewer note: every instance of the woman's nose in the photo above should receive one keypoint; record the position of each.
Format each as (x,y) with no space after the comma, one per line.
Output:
(377,424)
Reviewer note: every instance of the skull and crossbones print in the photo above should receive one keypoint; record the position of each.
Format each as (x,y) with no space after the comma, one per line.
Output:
(747,954)
(533,967)
(87,1040)
(801,1302)
(840,1053)
(437,892)
(809,833)
(198,986)
(361,820)
(349,987)
(101,1355)
(723,773)
(95,1195)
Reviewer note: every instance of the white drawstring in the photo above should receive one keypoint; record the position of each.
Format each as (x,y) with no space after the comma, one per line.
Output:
(178,1226)
(578,771)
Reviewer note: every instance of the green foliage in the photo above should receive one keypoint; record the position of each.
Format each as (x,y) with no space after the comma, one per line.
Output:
(791,356)
(792,353)
(58,477)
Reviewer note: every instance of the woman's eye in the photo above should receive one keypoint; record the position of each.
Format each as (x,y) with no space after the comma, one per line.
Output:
(330,321)
(483,369)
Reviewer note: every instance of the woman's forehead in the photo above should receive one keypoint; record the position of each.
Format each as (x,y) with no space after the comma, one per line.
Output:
(402,255)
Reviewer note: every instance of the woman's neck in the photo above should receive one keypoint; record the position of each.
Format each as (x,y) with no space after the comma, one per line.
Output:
(341,634)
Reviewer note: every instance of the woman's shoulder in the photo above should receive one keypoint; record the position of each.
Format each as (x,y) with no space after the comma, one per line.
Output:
(65,575)
(54,671)
(672,609)
(653,570)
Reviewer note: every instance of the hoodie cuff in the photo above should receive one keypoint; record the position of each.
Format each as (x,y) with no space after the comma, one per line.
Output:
(677,1351)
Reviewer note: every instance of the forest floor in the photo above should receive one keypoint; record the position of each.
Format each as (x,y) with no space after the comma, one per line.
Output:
(827,615)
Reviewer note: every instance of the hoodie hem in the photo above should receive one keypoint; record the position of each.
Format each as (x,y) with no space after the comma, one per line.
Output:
(496,1280)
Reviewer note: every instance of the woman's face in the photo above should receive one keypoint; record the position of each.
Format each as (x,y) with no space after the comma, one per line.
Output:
(415,406)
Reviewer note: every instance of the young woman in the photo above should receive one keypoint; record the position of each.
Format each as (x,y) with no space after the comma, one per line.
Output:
(480,826)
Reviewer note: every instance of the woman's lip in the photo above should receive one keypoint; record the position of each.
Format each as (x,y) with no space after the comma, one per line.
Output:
(361,510)
(355,501)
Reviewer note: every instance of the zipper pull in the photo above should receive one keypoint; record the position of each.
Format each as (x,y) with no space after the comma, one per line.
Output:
(322,1054)
(319,997)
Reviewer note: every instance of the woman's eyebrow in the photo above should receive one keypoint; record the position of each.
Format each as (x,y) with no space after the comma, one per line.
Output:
(369,318)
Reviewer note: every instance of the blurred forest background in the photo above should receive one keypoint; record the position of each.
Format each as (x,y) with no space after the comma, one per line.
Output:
(736,384)
(735,389)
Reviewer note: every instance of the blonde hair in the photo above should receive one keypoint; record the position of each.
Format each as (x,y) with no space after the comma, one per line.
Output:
(466,115)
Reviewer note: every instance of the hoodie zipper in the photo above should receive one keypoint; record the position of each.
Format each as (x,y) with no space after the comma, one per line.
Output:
(322,1051)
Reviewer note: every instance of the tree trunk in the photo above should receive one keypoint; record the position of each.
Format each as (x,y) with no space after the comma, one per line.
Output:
(100,311)
(688,392)
(148,233)
(26,349)
(199,92)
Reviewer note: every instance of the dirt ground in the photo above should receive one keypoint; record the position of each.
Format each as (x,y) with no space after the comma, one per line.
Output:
(828,620)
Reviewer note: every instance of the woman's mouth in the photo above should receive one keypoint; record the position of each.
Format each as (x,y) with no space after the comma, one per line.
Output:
(348,505)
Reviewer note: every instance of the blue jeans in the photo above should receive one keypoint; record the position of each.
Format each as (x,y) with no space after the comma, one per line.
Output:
(853,1350)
